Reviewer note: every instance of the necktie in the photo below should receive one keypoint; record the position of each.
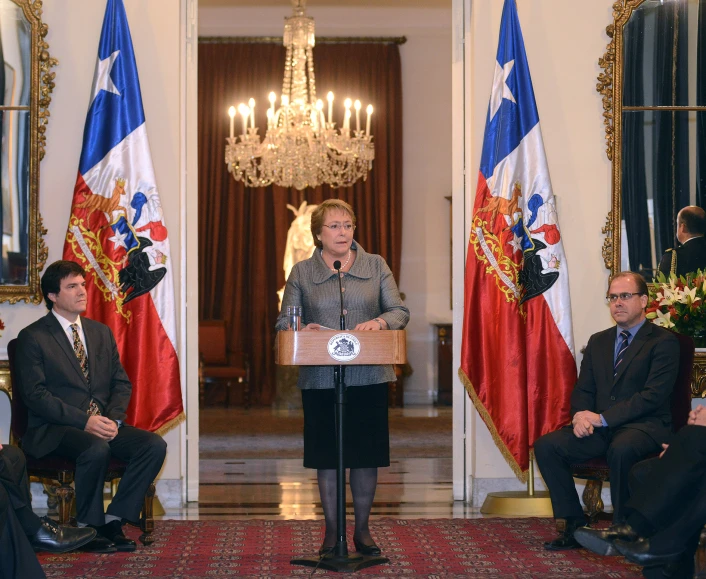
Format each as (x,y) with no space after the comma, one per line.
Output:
(621,351)
(80,352)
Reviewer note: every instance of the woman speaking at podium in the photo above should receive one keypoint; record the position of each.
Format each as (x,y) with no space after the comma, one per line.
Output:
(371,301)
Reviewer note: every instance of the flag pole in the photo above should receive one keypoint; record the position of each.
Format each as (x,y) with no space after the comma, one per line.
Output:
(529,503)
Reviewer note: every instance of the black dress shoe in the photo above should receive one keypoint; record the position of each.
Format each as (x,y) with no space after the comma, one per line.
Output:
(601,540)
(639,552)
(55,539)
(367,550)
(113,531)
(566,539)
(99,545)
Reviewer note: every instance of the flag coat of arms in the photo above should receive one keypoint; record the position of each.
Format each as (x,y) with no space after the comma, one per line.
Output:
(117,232)
(517,354)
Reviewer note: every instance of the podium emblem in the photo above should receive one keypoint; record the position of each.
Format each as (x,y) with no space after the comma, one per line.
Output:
(344,347)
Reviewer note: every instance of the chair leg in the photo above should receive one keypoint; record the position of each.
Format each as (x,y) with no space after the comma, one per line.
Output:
(65,496)
(50,487)
(700,557)
(246,395)
(229,385)
(592,499)
(147,519)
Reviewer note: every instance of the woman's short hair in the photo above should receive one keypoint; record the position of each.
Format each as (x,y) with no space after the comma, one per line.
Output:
(51,280)
(319,214)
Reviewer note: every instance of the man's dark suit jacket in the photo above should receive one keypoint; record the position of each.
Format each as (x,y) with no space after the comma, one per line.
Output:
(54,388)
(690,257)
(639,395)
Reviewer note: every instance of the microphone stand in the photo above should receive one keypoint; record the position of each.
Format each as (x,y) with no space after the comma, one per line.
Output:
(339,559)
(339,380)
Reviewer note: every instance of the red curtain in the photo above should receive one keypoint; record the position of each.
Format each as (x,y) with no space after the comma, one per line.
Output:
(243,231)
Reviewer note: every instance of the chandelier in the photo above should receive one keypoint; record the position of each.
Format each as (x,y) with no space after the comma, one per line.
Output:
(301,148)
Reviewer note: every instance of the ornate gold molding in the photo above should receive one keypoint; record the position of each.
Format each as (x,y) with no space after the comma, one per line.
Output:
(46,87)
(698,382)
(610,87)
(605,88)
(607,230)
(41,80)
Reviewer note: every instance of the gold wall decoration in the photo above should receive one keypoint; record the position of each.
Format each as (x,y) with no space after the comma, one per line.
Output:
(610,86)
(25,103)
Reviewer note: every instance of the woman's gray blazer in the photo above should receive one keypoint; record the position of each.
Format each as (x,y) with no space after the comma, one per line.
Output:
(370,292)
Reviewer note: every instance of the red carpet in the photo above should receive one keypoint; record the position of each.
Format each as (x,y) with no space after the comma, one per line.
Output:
(443,548)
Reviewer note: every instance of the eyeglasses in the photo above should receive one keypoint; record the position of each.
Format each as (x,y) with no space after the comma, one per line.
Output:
(625,296)
(335,227)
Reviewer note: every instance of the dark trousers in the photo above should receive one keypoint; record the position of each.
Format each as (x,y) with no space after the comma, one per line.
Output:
(143,451)
(558,450)
(17,558)
(668,497)
(663,489)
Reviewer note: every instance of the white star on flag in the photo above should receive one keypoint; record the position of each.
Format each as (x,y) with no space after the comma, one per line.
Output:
(500,89)
(102,80)
(118,240)
(516,244)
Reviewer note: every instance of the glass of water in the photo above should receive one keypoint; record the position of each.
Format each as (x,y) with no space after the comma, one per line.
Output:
(294,316)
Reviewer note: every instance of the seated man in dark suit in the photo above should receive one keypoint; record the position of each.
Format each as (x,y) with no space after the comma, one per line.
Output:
(620,406)
(21,531)
(77,394)
(666,510)
(691,253)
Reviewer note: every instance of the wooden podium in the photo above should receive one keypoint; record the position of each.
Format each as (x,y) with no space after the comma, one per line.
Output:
(339,349)
(311,348)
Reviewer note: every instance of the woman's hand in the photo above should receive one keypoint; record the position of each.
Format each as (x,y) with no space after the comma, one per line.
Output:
(310,328)
(376,324)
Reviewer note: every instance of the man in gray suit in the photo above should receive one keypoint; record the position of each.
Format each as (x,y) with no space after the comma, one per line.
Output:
(77,394)
(620,406)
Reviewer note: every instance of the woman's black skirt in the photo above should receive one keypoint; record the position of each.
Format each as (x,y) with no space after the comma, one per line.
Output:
(366,436)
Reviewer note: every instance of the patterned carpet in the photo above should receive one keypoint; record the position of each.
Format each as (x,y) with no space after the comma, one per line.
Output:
(442,548)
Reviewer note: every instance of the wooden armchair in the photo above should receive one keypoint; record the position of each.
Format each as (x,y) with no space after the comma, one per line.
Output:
(62,470)
(596,470)
(218,363)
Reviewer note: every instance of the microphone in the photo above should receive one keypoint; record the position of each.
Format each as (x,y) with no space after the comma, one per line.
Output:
(337,267)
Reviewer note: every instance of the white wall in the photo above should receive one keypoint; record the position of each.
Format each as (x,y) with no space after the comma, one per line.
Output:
(426,86)
(563,48)
(74,31)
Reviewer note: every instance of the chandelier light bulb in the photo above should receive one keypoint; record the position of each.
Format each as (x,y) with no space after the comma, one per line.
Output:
(245,112)
(369,112)
(251,104)
(357,114)
(329,98)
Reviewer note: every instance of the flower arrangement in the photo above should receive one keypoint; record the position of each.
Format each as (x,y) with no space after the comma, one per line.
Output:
(2,326)
(679,303)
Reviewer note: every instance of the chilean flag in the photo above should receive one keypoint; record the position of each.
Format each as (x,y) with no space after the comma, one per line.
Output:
(117,232)
(517,354)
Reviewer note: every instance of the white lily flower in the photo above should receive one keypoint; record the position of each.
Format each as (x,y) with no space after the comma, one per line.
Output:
(663,320)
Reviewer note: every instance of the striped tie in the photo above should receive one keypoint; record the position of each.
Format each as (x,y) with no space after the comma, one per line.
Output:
(621,352)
